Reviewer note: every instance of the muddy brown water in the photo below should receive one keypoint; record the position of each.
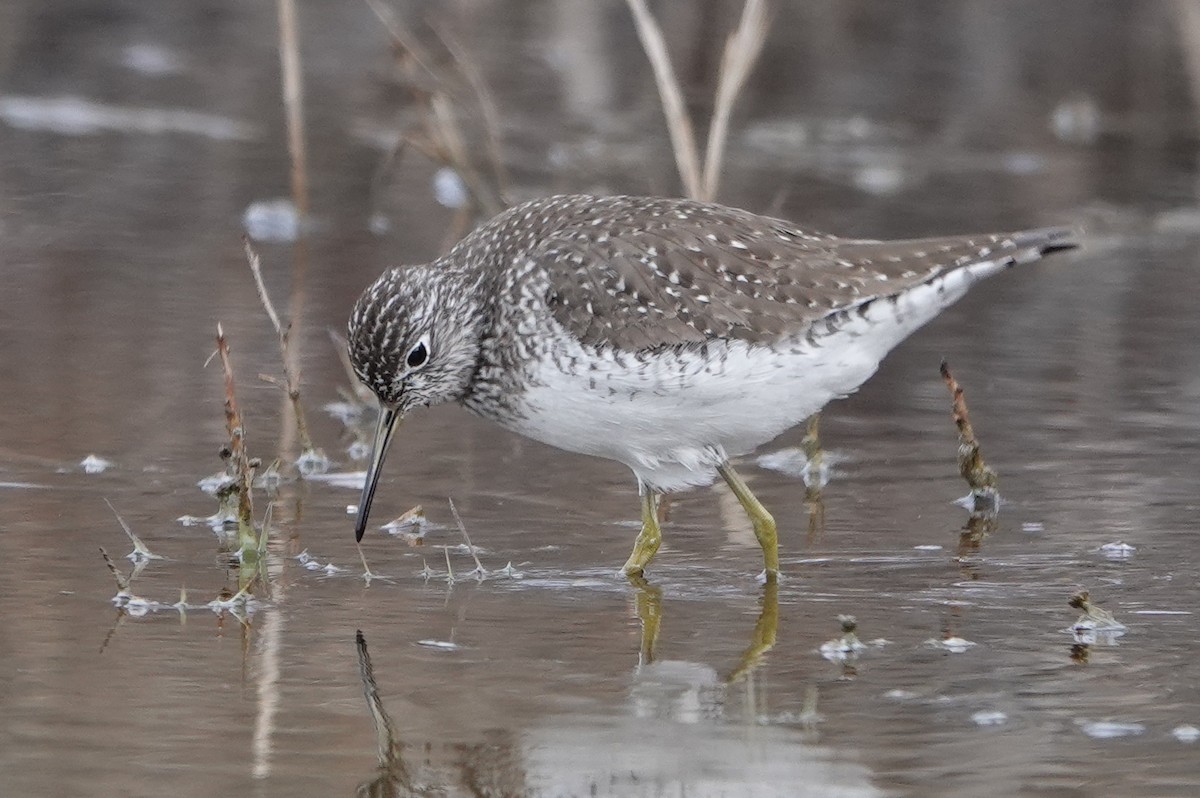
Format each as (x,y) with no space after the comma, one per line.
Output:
(120,223)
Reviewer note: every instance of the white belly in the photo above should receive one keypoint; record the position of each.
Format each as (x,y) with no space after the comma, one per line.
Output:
(673,419)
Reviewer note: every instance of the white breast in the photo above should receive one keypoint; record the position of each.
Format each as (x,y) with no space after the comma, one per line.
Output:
(672,418)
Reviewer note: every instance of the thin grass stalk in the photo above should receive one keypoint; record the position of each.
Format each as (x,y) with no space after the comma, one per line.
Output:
(290,369)
(679,123)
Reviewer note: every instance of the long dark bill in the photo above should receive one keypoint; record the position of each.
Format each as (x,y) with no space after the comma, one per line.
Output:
(383,434)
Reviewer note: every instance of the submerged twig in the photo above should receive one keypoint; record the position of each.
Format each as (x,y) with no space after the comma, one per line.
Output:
(122,582)
(979,476)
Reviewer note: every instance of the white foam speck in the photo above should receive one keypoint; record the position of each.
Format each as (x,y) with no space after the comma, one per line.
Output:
(95,465)
(1186,733)
(1105,730)
(990,717)
(274,220)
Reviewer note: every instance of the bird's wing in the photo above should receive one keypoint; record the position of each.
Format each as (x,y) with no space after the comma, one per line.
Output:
(734,275)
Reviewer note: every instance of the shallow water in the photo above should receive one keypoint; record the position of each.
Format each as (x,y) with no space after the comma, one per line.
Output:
(133,137)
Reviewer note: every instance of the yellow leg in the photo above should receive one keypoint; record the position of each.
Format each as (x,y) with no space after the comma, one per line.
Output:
(764,524)
(649,539)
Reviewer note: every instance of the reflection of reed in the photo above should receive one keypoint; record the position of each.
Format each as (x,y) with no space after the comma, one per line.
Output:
(981,524)
(392,776)
(492,767)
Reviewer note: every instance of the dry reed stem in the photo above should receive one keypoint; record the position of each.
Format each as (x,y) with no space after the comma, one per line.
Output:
(293,103)
(487,107)
(679,122)
(444,142)
(741,51)
(292,95)
(402,36)
(447,132)
(291,378)
(979,476)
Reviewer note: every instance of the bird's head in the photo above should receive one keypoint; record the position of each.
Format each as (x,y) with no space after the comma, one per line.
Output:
(414,339)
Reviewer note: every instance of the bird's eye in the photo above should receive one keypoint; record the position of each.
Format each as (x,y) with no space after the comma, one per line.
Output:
(418,355)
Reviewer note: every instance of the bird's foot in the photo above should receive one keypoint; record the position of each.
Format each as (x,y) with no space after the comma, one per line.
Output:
(769,577)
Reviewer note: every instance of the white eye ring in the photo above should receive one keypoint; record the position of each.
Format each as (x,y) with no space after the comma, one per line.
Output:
(419,355)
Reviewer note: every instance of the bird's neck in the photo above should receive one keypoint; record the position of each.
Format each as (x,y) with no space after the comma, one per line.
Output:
(468,299)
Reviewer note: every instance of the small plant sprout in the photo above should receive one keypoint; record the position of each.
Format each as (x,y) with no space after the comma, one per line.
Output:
(140,553)
(509,571)
(479,571)
(848,646)
(237,460)
(449,567)
(269,479)
(1094,618)
(426,572)
(239,600)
